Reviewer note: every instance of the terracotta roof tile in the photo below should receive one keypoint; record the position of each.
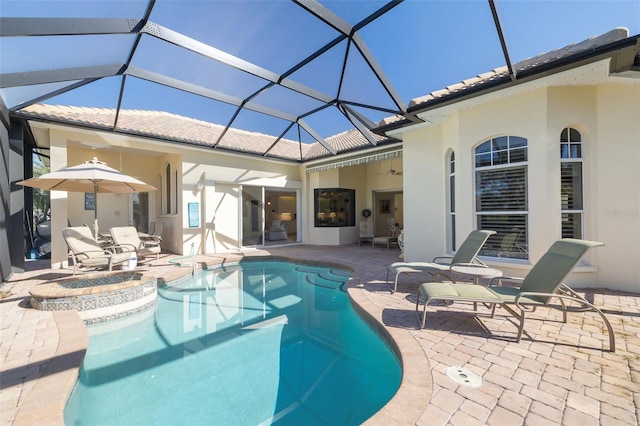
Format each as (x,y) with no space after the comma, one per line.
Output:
(168,126)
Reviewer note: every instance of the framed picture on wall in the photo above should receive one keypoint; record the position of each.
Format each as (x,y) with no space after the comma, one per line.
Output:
(385,206)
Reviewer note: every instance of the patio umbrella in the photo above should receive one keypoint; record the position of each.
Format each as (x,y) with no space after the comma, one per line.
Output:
(91,176)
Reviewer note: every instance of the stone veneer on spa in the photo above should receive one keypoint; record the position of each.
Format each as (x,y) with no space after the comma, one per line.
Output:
(98,297)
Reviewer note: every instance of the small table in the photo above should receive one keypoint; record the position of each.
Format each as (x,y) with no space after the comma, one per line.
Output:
(476,272)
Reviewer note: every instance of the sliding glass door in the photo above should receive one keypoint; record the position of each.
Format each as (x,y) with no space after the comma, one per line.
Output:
(269,216)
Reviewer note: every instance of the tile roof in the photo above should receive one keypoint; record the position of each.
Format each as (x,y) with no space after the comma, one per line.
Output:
(173,127)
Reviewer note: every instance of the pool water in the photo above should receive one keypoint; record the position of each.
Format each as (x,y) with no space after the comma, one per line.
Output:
(256,344)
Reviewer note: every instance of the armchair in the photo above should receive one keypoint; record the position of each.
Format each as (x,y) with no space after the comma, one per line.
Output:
(277,231)
(128,236)
(86,251)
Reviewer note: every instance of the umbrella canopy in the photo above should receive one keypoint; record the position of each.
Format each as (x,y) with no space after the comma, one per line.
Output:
(91,176)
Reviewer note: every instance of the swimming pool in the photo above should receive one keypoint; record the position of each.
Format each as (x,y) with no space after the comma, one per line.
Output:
(253,344)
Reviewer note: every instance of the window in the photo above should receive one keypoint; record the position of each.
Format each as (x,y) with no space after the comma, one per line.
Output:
(501,195)
(167,190)
(571,189)
(170,191)
(334,207)
(452,201)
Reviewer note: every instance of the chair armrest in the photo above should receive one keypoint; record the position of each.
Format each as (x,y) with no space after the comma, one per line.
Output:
(150,243)
(469,265)
(119,248)
(504,278)
(439,259)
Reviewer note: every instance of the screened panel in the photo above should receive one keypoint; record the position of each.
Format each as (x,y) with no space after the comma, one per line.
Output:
(358,76)
(14,96)
(59,52)
(194,68)
(416,34)
(255,31)
(560,23)
(377,55)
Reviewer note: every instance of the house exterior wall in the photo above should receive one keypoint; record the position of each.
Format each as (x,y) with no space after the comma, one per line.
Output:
(608,118)
(220,200)
(223,176)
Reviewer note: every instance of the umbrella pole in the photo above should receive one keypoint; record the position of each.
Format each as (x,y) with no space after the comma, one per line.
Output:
(95,211)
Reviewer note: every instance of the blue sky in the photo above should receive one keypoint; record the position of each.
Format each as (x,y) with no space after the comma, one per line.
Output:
(421,46)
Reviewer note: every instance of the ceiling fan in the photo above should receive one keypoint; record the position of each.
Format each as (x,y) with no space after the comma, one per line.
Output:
(392,171)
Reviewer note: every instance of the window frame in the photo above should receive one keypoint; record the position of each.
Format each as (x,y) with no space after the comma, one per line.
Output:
(331,209)
(514,157)
(570,159)
(451,204)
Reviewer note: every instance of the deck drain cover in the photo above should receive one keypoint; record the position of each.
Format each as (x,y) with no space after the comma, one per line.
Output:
(463,376)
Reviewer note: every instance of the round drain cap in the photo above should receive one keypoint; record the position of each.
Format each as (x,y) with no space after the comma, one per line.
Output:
(463,376)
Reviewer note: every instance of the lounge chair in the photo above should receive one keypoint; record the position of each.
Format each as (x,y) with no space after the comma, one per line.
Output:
(128,236)
(541,285)
(86,251)
(465,255)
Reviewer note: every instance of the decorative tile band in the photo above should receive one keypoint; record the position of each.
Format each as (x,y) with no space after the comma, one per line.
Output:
(103,297)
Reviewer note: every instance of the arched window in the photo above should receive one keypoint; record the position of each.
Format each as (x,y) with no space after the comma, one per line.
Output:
(451,202)
(501,195)
(571,186)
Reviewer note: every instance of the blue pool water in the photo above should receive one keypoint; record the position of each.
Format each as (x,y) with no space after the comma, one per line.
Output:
(257,344)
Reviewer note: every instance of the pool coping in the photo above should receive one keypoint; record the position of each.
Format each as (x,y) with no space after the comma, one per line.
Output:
(45,403)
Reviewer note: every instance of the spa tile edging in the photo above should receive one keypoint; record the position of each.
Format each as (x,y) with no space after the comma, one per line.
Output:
(98,297)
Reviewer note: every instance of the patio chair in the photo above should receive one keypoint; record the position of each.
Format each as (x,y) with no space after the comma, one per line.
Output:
(366,232)
(128,236)
(86,251)
(391,238)
(542,285)
(465,255)
(155,232)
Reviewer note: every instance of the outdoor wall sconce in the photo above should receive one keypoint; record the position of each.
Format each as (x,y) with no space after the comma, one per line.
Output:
(200,185)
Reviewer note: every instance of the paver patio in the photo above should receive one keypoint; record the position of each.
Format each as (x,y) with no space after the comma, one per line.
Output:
(557,374)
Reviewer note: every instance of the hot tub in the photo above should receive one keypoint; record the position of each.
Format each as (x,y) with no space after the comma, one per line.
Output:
(98,297)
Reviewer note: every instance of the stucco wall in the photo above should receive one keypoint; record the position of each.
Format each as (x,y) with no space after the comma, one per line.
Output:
(615,185)
(608,117)
(222,174)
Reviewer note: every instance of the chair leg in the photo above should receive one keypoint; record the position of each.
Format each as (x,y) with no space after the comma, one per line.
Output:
(521,327)
(423,320)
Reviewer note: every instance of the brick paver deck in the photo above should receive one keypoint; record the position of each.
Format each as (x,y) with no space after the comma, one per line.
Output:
(558,374)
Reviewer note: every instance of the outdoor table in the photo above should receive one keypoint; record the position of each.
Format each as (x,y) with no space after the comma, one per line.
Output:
(476,272)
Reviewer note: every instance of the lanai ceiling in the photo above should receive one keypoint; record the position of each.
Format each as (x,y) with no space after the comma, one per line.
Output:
(300,71)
